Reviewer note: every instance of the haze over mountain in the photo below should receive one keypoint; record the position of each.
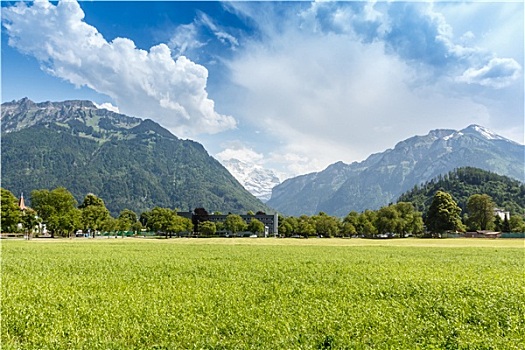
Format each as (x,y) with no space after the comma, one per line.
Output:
(382,177)
(129,162)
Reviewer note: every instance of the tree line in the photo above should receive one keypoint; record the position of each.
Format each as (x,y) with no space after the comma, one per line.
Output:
(62,216)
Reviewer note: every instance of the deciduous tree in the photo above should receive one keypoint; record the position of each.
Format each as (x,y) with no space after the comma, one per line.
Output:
(326,225)
(256,226)
(10,212)
(480,212)
(58,210)
(234,223)
(207,228)
(443,214)
(127,220)
(94,213)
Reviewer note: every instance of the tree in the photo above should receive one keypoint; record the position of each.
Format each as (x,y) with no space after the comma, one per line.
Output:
(305,225)
(91,200)
(58,210)
(29,219)
(159,219)
(505,226)
(94,213)
(326,225)
(443,214)
(234,223)
(480,212)
(410,220)
(9,211)
(387,220)
(350,224)
(287,226)
(127,220)
(366,222)
(516,223)
(110,224)
(167,221)
(256,226)
(179,224)
(207,228)
(498,223)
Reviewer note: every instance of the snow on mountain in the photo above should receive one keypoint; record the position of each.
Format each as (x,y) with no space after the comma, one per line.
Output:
(483,132)
(256,179)
(382,177)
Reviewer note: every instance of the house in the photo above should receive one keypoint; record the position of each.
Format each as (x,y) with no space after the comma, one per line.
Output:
(501,213)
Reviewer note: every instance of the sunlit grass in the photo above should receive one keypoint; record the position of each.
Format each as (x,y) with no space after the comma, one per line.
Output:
(263,293)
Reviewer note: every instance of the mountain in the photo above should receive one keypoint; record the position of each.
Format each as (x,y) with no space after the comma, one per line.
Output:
(507,193)
(383,177)
(256,179)
(128,162)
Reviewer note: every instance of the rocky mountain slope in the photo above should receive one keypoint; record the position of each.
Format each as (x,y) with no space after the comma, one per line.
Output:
(129,162)
(256,179)
(382,177)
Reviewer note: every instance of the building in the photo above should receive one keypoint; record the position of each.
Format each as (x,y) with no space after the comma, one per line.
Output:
(501,213)
(21,203)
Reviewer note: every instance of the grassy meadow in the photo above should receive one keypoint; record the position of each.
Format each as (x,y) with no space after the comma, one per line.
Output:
(263,294)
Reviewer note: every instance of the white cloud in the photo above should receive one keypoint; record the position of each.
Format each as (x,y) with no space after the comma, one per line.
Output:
(497,73)
(148,84)
(184,39)
(238,150)
(108,106)
(327,95)
(217,30)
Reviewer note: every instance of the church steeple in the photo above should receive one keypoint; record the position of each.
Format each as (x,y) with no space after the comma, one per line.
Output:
(21,203)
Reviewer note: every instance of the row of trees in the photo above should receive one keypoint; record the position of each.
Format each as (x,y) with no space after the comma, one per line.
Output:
(58,210)
(401,219)
(396,219)
(445,215)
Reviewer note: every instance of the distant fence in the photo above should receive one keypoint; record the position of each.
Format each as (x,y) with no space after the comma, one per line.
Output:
(512,235)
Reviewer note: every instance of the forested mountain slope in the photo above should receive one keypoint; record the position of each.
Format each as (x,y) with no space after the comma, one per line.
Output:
(507,193)
(129,162)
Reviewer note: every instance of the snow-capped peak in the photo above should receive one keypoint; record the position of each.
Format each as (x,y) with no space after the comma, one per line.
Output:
(256,179)
(482,131)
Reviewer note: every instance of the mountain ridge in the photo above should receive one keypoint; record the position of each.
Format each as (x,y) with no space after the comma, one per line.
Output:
(380,178)
(129,162)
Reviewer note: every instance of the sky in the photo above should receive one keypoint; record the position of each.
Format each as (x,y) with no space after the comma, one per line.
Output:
(290,86)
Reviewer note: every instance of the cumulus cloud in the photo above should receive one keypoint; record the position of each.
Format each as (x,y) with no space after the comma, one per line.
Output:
(497,73)
(344,80)
(149,84)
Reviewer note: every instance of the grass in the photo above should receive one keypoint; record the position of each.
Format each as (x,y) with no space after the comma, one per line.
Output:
(263,294)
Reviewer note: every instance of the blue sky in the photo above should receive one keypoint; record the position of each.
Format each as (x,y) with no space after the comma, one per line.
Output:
(290,86)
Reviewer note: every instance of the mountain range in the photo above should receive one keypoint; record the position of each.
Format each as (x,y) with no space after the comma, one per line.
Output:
(128,162)
(383,177)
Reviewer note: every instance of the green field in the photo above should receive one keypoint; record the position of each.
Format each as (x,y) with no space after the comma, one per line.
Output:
(263,294)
